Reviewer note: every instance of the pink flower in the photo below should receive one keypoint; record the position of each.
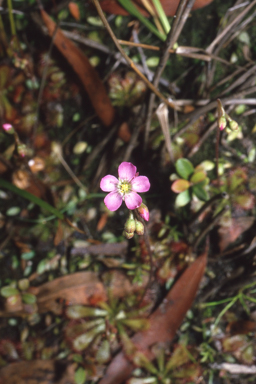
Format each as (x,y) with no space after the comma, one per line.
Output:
(124,188)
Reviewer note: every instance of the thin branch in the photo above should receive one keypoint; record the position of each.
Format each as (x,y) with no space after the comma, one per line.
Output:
(181,17)
(129,61)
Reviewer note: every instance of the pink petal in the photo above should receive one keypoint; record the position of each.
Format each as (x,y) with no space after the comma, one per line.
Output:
(126,171)
(132,200)
(140,184)
(113,201)
(108,183)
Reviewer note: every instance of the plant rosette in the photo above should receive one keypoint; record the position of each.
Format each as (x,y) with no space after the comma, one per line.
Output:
(189,181)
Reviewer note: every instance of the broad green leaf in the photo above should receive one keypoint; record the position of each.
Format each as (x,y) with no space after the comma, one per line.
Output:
(184,168)
(28,298)
(180,185)
(9,291)
(80,376)
(197,177)
(182,199)
(200,193)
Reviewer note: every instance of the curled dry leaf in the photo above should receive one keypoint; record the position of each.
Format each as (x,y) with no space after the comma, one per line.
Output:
(164,322)
(87,74)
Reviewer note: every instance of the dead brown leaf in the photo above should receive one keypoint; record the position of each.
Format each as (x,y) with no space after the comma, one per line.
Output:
(78,288)
(164,322)
(231,228)
(87,74)
(37,371)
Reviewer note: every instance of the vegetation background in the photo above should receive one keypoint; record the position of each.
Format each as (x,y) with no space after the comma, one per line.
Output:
(79,302)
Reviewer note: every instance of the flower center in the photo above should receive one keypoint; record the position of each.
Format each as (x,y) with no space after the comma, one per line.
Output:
(124,187)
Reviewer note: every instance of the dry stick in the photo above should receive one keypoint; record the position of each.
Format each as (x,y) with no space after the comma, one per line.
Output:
(99,148)
(229,27)
(222,39)
(181,17)
(132,143)
(206,108)
(213,222)
(182,51)
(94,44)
(129,61)
(206,205)
(44,75)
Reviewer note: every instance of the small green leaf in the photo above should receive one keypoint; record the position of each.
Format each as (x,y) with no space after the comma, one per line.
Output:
(28,298)
(184,168)
(9,291)
(197,177)
(78,311)
(28,255)
(13,211)
(180,185)
(200,193)
(80,376)
(182,199)
(152,61)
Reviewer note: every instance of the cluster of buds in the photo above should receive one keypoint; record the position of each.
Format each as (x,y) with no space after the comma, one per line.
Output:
(134,225)
(19,146)
(224,119)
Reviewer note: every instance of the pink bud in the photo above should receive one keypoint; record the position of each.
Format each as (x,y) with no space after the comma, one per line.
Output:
(143,212)
(8,128)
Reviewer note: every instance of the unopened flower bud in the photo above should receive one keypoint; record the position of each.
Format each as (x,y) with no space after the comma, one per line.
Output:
(128,235)
(22,150)
(8,128)
(139,228)
(130,224)
(222,123)
(143,212)
(233,125)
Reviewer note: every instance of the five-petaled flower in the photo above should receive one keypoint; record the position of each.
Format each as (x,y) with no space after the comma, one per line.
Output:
(125,188)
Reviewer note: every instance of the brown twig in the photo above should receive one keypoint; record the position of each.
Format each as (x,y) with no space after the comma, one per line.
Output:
(179,22)
(129,61)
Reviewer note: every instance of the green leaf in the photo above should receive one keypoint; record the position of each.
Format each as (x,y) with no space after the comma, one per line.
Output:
(128,5)
(184,168)
(28,298)
(78,311)
(80,376)
(13,211)
(32,198)
(197,177)
(182,199)
(9,291)
(200,193)
(28,255)
(180,185)
(162,16)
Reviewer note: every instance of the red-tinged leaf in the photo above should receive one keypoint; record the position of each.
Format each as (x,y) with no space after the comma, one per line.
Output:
(180,185)
(164,322)
(74,10)
(232,228)
(87,74)
(169,6)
